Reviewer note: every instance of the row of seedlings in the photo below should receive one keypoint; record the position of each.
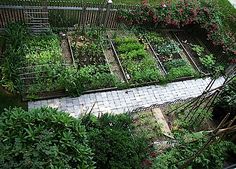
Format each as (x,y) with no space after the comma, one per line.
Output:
(89,57)
(171,55)
(139,65)
(200,56)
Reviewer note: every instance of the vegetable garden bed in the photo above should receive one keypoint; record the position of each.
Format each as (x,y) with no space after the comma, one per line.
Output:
(138,64)
(194,49)
(171,56)
(90,60)
(89,56)
(39,67)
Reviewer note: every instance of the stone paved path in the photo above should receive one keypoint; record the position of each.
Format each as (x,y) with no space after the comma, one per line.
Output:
(123,100)
(233,2)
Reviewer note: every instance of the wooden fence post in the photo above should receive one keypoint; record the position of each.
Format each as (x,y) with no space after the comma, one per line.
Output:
(83,18)
(109,4)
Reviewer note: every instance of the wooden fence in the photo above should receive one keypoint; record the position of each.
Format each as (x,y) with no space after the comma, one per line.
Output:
(62,13)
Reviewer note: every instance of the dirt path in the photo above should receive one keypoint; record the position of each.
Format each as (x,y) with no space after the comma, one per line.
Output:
(113,64)
(66,51)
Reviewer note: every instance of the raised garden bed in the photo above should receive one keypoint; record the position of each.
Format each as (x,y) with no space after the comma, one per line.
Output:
(170,54)
(90,59)
(194,50)
(138,64)
(38,71)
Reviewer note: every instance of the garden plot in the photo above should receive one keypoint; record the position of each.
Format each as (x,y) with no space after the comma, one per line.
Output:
(89,57)
(170,55)
(138,64)
(38,70)
(199,55)
(94,48)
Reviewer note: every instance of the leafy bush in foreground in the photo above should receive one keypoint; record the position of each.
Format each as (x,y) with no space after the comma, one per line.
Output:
(42,138)
(113,143)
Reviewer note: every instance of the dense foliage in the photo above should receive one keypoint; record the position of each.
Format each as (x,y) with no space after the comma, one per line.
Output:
(212,157)
(138,63)
(112,141)
(43,138)
(185,13)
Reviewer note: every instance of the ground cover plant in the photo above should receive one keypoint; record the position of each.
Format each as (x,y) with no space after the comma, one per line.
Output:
(188,140)
(212,157)
(43,138)
(138,63)
(169,54)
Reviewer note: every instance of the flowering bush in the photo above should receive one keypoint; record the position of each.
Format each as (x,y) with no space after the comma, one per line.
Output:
(182,14)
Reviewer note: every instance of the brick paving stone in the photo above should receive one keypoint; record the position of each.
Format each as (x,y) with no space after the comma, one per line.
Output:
(121,101)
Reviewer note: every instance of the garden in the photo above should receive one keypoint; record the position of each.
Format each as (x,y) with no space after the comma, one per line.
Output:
(157,45)
(93,59)
(154,44)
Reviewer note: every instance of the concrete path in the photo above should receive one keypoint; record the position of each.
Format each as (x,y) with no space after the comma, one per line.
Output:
(233,2)
(123,100)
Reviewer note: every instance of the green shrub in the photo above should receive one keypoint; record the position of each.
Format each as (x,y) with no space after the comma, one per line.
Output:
(42,138)
(113,143)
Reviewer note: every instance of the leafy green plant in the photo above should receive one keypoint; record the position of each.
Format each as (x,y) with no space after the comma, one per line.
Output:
(88,53)
(198,49)
(113,143)
(128,47)
(43,138)
(86,78)
(165,47)
(175,63)
(208,61)
(178,68)
(184,71)
(169,48)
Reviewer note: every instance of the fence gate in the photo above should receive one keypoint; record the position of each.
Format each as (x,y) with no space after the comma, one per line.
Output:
(36,18)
